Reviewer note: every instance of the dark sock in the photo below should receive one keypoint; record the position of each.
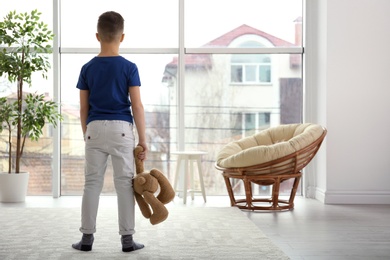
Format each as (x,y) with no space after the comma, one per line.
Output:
(85,243)
(128,244)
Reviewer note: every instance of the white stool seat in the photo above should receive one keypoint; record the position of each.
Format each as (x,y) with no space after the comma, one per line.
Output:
(189,158)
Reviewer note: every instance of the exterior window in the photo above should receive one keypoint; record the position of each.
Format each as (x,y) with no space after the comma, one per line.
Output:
(242,73)
(236,74)
(265,71)
(251,68)
(246,124)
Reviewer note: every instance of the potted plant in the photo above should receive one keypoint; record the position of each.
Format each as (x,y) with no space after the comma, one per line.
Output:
(25,45)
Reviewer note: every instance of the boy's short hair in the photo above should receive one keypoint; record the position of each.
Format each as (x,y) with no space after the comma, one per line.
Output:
(110,26)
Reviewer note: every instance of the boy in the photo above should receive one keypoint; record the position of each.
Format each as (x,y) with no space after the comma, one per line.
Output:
(105,83)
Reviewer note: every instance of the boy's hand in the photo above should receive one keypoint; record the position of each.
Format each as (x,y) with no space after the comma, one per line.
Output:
(142,155)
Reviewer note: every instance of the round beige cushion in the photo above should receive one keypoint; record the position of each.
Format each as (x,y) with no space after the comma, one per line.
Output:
(268,145)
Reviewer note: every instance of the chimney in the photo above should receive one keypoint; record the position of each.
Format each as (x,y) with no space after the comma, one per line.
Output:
(295,59)
(298,31)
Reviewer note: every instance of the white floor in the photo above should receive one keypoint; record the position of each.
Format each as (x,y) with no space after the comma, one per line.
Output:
(311,231)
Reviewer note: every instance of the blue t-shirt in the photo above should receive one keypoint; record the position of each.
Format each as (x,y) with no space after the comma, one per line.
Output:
(108,80)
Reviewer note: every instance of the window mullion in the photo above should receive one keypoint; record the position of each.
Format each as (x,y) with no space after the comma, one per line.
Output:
(181,78)
(56,160)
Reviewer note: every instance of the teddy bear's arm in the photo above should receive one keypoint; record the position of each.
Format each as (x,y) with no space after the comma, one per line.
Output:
(143,205)
(167,193)
(139,165)
(160,212)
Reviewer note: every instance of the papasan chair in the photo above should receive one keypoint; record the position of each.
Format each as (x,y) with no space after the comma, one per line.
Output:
(269,157)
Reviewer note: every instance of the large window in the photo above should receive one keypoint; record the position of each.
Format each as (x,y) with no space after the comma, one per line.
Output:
(211,72)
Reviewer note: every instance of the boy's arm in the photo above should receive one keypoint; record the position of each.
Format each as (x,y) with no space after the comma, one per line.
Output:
(139,118)
(84,108)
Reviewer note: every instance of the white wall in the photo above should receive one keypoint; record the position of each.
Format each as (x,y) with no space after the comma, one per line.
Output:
(348,91)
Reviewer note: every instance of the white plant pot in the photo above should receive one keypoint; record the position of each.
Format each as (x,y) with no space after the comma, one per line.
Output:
(13,187)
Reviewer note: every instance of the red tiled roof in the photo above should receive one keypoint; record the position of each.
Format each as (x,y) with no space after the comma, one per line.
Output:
(192,61)
(244,29)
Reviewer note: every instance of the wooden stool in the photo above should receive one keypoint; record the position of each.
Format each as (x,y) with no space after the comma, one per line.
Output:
(189,158)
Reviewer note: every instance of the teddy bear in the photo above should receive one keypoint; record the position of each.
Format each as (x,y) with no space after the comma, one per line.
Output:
(146,185)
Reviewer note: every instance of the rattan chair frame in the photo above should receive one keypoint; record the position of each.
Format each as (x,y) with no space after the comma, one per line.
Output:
(271,173)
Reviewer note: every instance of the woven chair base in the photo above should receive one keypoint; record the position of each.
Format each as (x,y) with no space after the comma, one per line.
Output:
(272,203)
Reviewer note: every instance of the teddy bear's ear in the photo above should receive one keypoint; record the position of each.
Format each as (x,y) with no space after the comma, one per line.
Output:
(139,165)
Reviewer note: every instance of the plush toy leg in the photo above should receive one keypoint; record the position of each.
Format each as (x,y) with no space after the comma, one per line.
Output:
(143,205)
(160,212)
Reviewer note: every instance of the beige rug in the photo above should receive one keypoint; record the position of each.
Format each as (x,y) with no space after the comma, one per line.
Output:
(188,233)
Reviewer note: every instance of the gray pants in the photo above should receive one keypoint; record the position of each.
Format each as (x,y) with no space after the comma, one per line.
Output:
(104,138)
